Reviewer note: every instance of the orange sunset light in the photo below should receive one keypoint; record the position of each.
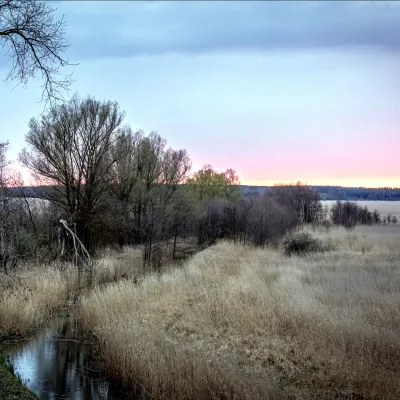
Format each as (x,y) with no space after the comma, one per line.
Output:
(346,182)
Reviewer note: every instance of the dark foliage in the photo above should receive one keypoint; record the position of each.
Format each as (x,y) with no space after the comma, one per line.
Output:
(302,243)
(349,214)
(335,192)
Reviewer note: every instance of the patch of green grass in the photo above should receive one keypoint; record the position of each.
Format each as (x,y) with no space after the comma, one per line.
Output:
(11,387)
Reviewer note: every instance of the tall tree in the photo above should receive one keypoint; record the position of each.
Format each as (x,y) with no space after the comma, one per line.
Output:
(4,182)
(161,170)
(35,42)
(70,148)
(17,226)
(148,174)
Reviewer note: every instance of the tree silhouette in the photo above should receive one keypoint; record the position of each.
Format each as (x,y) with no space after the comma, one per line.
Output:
(35,41)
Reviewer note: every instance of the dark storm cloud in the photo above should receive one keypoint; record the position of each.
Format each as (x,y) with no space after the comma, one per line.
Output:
(127,29)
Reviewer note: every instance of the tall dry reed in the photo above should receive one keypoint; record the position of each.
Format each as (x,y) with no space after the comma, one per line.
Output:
(238,322)
(29,297)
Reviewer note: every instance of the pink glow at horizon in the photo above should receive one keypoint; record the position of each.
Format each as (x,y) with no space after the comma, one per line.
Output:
(306,162)
(342,159)
(377,182)
(347,182)
(305,91)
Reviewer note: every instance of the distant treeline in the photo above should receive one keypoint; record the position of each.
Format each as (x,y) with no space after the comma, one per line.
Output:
(337,192)
(326,192)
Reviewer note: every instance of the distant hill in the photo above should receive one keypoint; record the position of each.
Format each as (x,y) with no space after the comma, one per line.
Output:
(326,192)
(38,192)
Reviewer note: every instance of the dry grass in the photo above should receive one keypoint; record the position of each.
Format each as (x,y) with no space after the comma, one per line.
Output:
(29,299)
(364,238)
(30,296)
(238,322)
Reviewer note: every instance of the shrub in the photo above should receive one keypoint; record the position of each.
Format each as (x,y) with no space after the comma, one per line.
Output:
(327,224)
(301,243)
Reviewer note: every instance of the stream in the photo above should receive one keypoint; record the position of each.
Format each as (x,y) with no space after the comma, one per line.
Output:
(57,368)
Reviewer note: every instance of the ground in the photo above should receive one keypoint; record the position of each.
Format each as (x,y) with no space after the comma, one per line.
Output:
(236,322)
(11,388)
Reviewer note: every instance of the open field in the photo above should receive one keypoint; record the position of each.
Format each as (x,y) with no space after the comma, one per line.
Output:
(384,207)
(238,322)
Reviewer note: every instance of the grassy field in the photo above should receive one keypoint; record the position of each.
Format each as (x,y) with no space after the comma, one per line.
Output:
(384,207)
(234,322)
(247,323)
(30,296)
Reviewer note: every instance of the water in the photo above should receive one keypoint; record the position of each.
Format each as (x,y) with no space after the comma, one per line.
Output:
(56,368)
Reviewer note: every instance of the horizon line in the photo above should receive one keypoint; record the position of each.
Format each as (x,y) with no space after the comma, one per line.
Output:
(268,186)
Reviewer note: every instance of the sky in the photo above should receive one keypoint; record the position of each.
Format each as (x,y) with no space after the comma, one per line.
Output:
(278,91)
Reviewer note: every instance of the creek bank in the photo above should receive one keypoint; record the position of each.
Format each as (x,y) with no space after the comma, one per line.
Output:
(12,388)
(53,366)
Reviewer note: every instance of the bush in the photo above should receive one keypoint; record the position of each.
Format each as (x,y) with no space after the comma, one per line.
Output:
(326,224)
(301,243)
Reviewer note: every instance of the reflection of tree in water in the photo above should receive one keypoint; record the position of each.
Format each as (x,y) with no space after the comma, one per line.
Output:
(66,372)
(62,369)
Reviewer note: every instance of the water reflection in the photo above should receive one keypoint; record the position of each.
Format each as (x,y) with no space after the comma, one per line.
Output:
(54,368)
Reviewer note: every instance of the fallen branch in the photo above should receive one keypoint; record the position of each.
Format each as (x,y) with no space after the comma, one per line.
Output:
(78,245)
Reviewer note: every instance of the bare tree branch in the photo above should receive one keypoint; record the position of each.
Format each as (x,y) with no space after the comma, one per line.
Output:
(35,42)
(70,147)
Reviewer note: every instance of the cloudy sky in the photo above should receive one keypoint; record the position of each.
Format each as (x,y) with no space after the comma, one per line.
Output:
(278,91)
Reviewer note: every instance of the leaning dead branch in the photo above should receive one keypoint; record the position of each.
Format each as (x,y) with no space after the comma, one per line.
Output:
(81,256)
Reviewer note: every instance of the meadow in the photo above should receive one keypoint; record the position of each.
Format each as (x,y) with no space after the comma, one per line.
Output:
(247,323)
(233,321)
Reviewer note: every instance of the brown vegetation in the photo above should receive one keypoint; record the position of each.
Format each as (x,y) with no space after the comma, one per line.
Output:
(383,207)
(292,317)
(240,322)
(32,295)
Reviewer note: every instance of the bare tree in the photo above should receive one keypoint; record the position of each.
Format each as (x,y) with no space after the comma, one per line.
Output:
(302,198)
(349,214)
(146,208)
(4,182)
(17,226)
(268,221)
(182,214)
(125,151)
(70,148)
(35,42)
(161,169)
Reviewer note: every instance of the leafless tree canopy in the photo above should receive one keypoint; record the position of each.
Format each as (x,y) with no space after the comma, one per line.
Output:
(148,175)
(35,42)
(70,148)
(16,219)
